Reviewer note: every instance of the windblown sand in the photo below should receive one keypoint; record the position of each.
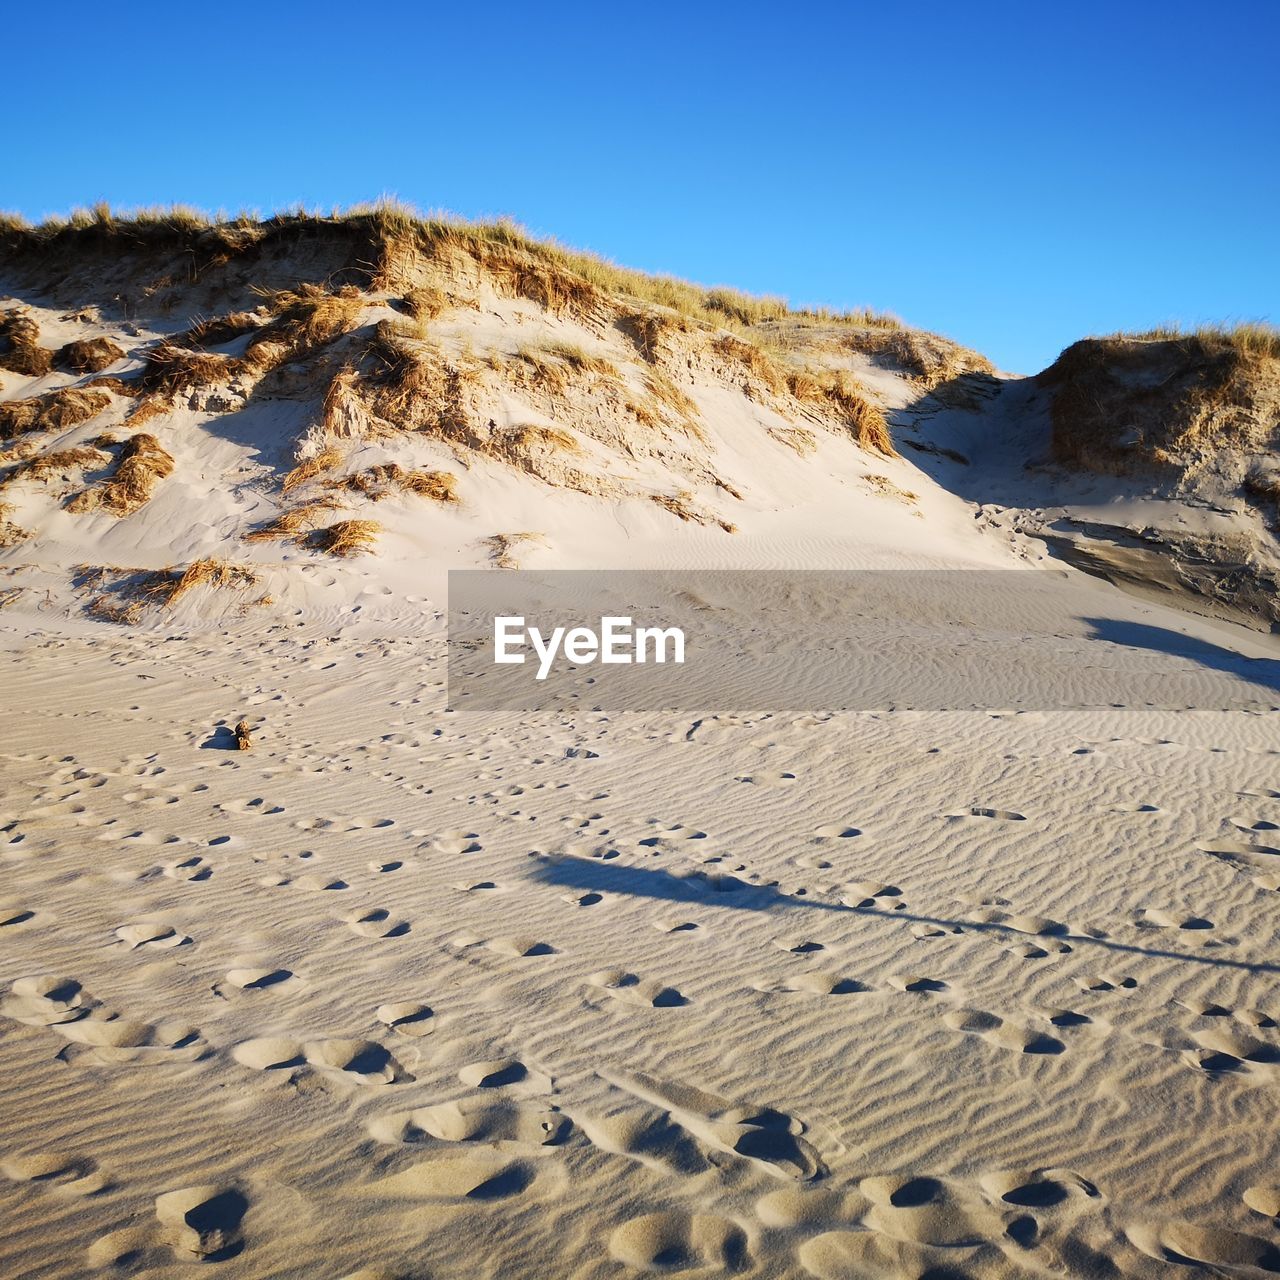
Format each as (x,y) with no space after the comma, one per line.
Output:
(402,992)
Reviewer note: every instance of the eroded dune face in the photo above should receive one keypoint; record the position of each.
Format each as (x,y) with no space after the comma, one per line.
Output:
(403,991)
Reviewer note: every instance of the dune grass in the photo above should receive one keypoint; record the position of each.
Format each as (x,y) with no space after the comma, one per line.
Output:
(387,232)
(52,411)
(1247,338)
(345,538)
(20,349)
(143,462)
(88,355)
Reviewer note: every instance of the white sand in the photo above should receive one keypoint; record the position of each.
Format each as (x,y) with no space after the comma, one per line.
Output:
(402,992)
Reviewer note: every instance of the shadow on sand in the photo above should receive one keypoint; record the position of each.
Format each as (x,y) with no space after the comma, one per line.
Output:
(1264,672)
(720,890)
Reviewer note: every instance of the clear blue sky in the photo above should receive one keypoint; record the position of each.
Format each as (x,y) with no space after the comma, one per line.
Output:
(1013,175)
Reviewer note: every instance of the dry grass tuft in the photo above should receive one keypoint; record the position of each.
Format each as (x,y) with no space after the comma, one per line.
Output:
(502,546)
(799,439)
(305,320)
(883,485)
(171,369)
(681,505)
(417,389)
(88,355)
(297,523)
(52,411)
(346,538)
(142,464)
(553,366)
(11,534)
(650,332)
(927,358)
(760,368)
(438,486)
(863,419)
(60,463)
(20,349)
(328,459)
(378,482)
(10,595)
(425,302)
(516,444)
(217,330)
(170,585)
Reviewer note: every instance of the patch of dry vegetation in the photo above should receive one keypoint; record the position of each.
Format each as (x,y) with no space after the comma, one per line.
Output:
(20,349)
(168,586)
(502,547)
(10,533)
(840,391)
(927,358)
(142,463)
(304,320)
(681,505)
(328,459)
(385,242)
(1164,400)
(88,355)
(52,411)
(57,463)
(296,523)
(380,481)
(346,538)
(425,302)
(126,596)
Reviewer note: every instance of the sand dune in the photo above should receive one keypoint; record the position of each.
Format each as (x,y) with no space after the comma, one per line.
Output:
(410,992)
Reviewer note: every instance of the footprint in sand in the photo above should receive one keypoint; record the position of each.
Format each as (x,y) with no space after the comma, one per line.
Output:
(505,1073)
(982,811)
(357,1061)
(1211,1009)
(627,988)
(67,1175)
(195,869)
(484,1119)
(375,922)
(917,984)
(1216,1247)
(479,1174)
(814,982)
(259,978)
(870,893)
(203,1223)
(769,778)
(837,831)
(454,843)
(314,882)
(764,1136)
(1105,982)
(518,946)
(1159,918)
(674,1240)
(1005,1034)
(155,935)
(1042,1189)
(64,1007)
(407,1018)
(1223,1049)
